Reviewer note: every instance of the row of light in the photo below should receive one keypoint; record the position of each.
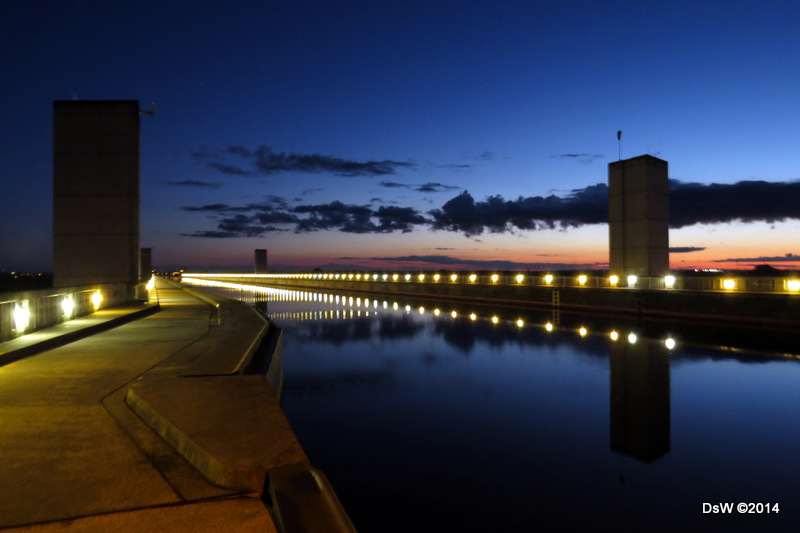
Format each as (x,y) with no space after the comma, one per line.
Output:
(293,295)
(22,312)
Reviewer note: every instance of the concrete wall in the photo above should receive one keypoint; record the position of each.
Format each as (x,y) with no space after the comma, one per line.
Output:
(638,216)
(95,192)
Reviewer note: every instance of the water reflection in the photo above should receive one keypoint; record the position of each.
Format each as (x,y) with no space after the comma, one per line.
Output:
(451,421)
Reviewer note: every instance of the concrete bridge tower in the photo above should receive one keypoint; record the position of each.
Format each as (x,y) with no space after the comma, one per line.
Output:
(96,192)
(638,216)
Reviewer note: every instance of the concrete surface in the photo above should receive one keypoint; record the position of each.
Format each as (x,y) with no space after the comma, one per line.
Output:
(75,457)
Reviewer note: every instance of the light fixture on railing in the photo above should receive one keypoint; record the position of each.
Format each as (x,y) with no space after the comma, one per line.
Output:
(669,281)
(22,316)
(613,279)
(68,306)
(632,280)
(548,279)
(582,279)
(97,299)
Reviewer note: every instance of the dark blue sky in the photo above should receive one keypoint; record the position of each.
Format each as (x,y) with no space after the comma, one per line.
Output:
(349,132)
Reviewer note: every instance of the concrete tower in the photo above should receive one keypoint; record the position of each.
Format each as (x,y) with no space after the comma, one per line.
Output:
(638,216)
(95,192)
(261,261)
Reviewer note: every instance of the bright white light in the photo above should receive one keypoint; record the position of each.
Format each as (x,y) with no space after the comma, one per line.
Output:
(613,335)
(669,343)
(669,281)
(436,312)
(408,277)
(436,277)
(453,277)
(422,310)
(793,285)
(495,277)
(520,278)
(495,320)
(473,316)
(385,276)
(548,326)
(151,283)
(582,279)
(97,298)
(22,316)
(422,277)
(632,280)
(520,323)
(394,277)
(548,279)
(582,332)
(473,277)
(613,279)
(68,306)
(632,338)
(729,284)
(453,314)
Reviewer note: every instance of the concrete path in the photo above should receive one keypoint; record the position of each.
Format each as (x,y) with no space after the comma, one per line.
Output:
(75,457)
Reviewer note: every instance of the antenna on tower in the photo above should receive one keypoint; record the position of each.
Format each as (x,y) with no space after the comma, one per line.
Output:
(619,144)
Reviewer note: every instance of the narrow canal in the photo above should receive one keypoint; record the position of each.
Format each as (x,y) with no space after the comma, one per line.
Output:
(429,420)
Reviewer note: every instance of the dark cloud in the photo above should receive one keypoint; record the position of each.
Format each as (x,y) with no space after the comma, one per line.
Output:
(788,258)
(394,185)
(194,183)
(747,201)
(435,187)
(581,158)
(263,161)
(473,263)
(464,214)
(685,249)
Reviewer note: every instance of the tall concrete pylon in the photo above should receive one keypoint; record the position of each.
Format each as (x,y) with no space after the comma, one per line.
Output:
(638,216)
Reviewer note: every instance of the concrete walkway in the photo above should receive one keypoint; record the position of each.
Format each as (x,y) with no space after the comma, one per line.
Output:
(74,456)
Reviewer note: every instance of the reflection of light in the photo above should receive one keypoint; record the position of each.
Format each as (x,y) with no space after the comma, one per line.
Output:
(520,323)
(614,335)
(473,277)
(453,314)
(632,280)
(669,343)
(548,279)
(520,278)
(793,285)
(669,281)
(96,299)
(68,306)
(453,277)
(495,277)
(548,326)
(582,279)
(582,332)
(22,316)
(473,316)
(495,320)
(632,338)
(728,284)
(613,280)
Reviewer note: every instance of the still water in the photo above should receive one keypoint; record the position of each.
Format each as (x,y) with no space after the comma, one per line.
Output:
(425,421)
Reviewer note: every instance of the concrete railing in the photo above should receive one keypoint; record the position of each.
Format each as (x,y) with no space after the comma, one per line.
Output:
(27,311)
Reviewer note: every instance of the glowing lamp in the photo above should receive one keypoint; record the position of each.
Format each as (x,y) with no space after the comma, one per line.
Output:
(68,306)
(394,277)
(582,332)
(548,326)
(548,279)
(728,284)
(453,314)
(613,280)
(632,338)
(520,323)
(472,278)
(150,284)
(613,335)
(669,281)
(422,310)
(436,312)
(422,277)
(22,316)
(453,277)
(669,343)
(793,285)
(520,278)
(473,316)
(495,320)
(582,279)
(385,276)
(495,277)
(632,280)
(436,277)
(97,298)
(408,277)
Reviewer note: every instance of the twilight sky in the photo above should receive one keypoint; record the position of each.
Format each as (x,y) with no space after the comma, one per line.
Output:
(453,134)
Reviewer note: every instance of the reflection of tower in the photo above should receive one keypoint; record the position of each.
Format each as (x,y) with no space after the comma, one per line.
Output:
(638,216)
(640,400)
(95,192)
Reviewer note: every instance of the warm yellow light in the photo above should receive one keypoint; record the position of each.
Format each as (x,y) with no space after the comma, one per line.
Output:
(436,312)
(422,277)
(793,285)
(613,280)
(520,278)
(582,279)
(548,326)
(151,283)
(613,335)
(495,277)
(97,298)
(473,277)
(632,338)
(473,316)
(729,284)
(453,314)
(669,281)
(408,277)
(632,280)
(453,277)
(350,276)
(358,276)
(520,322)
(495,320)
(436,277)
(22,316)
(68,306)
(394,277)
(582,332)
(374,276)
(395,306)
(422,310)
(385,276)
(548,279)
(669,343)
